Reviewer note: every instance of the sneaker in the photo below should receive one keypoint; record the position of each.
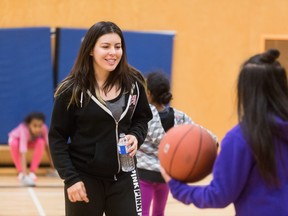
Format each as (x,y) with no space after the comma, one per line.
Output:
(20,176)
(27,181)
(32,176)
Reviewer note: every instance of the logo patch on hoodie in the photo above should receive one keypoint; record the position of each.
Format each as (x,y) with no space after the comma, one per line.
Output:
(133,100)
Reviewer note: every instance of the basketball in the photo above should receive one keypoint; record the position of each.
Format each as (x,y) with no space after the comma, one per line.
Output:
(187,152)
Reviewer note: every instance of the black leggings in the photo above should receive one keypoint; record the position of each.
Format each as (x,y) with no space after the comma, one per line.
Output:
(114,198)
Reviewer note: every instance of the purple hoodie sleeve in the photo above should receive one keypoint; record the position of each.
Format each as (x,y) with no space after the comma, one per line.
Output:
(230,173)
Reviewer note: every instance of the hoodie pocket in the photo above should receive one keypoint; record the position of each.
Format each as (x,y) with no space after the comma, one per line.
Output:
(101,159)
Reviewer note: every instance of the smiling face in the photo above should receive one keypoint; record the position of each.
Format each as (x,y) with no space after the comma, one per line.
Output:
(107,53)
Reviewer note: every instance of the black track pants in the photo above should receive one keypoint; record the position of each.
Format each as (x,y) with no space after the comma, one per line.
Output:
(114,198)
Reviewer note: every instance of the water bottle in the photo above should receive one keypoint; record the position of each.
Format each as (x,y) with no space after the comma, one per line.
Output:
(127,162)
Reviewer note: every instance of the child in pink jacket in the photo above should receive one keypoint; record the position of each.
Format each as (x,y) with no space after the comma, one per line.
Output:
(32,133)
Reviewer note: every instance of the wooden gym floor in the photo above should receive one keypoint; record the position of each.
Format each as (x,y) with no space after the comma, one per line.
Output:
(46,199)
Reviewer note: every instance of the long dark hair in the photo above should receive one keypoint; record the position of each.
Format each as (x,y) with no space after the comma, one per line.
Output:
(159,86)
(81,77)
(263,96)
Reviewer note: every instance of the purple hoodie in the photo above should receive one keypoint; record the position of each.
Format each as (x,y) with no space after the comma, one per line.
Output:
(237,180)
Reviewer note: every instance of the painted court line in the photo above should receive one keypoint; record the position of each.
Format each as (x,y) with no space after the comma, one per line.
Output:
(36,202)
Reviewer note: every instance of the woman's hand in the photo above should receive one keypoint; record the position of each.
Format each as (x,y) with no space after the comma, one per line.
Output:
(166,177)
(77,192)
(133,144)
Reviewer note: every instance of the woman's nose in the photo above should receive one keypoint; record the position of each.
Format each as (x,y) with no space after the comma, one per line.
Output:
(112,51)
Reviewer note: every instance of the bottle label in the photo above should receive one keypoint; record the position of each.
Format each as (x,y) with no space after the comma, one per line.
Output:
(122,149)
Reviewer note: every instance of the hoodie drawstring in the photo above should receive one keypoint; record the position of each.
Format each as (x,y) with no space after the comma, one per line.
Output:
(81,99)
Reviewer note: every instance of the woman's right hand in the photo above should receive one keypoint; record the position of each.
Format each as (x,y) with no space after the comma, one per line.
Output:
(77,192)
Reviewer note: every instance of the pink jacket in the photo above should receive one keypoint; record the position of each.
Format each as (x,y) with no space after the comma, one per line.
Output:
(22,133)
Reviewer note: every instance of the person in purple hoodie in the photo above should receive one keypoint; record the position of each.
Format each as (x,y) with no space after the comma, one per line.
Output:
(251,170)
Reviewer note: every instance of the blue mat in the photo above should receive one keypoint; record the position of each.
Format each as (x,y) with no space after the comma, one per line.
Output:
(68,42)
(150,51)
(26,78)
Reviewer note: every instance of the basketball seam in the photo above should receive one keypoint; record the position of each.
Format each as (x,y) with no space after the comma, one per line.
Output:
(176,148)
(197,156)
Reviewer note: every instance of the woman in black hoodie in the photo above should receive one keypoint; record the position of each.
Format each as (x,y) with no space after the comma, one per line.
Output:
(100,98)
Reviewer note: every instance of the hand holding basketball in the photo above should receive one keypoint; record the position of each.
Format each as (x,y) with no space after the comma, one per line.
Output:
(166,177)
(187,153)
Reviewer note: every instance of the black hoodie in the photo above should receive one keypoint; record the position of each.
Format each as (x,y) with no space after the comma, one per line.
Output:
(93,133)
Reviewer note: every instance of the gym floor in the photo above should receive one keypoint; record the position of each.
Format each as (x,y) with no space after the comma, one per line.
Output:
(46,199)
